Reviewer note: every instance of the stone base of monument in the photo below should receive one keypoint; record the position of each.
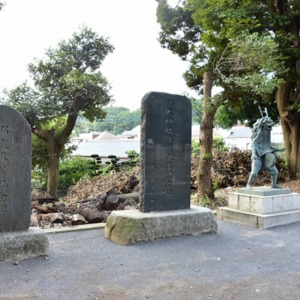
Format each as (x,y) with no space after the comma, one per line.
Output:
(20,245)
(132,226)
(262,207)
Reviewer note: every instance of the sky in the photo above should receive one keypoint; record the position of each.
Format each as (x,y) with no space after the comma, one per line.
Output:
(137,66)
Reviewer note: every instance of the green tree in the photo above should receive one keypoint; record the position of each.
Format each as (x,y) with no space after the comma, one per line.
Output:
(196,31)
(197,110)
(116,121)
(241,111)
(111,122)
(280,21)
(128,120)
(40,157)
(67,82)
(182,36)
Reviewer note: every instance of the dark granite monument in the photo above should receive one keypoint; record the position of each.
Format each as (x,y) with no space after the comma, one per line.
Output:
(165,209)
(15,171)
(165,152)
(17,240)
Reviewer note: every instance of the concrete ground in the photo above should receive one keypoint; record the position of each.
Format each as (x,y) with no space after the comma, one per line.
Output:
(238,262)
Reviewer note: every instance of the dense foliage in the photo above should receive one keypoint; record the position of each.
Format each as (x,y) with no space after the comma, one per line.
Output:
(66,83)
(73,169)
(116,121)
(218,144)
(249,48)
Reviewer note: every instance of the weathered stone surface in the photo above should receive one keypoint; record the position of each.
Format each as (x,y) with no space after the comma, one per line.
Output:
(15,171)
(264,191)
(129,227)
(264,204)
(261,221)
(261,211)
(23,244)
(165,152)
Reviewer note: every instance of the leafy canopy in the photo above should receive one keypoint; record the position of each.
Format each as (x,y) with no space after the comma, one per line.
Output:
(67,81)
(117,120)
(229,39)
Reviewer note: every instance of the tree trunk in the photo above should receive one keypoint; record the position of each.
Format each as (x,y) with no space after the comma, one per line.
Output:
(52,171)
(52,175)
(288,96)
(55,143)
(290,121)
(205,188)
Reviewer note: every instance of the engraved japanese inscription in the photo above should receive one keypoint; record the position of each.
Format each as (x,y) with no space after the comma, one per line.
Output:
(15,171)
(165,152)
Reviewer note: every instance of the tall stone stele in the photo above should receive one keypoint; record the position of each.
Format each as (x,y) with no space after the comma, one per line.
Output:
(165,179)
(15,171)
(18,240)
(165,152)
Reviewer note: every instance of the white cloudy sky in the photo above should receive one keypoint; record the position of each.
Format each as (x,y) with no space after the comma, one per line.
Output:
(137,65)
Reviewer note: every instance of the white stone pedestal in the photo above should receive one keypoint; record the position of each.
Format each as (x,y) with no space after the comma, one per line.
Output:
(132,226)
(262,207)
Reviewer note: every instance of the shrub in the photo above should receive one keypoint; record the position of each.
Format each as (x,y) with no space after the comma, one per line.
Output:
(134,157)
(218,144)
(73,169)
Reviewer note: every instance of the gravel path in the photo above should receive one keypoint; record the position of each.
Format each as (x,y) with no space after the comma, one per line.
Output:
(238,262)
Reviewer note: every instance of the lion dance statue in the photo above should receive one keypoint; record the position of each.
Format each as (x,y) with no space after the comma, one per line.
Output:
(263,154)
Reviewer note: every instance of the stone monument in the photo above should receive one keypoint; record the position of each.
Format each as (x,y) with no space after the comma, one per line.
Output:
(164,177)
(17,241)
(165,153)
(262,207)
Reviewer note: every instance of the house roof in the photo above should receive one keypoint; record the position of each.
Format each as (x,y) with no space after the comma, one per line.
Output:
(239,132)
(105,136)
(136,131)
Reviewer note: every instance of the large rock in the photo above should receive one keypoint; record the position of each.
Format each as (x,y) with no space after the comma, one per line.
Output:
(129,227)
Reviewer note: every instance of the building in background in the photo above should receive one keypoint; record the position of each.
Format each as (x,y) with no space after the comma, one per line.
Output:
(105,143)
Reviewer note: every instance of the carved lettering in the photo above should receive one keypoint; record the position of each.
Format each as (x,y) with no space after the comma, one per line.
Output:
(15,170)
(165,152)
(4,160)
(169,148)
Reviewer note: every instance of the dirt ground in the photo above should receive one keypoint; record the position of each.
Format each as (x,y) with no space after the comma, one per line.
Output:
(294,185)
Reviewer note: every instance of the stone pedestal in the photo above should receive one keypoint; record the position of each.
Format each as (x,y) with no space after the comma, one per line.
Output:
(132,226)
(262,207)
(19,245)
